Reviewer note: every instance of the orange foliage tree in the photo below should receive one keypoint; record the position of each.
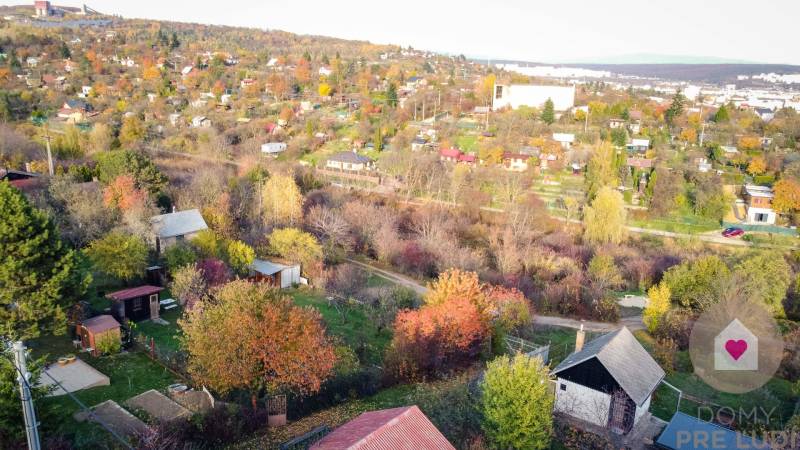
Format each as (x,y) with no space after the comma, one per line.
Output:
(123,194)
(787,196)
(757,166)
(434,339)
(250,336)
(749,142)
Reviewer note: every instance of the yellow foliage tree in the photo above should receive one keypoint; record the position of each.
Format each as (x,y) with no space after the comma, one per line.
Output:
(282,201)
(787,196)
(325,90)
(657,306)
(604,220)
(453,284)
(757,166)
(689,135)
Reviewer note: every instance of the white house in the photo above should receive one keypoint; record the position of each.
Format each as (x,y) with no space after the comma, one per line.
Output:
(565,139)
(201,122)
(273,148)
(175,227)
(609,382)
(638,145)
(759,204)
(325,72)
(349,161)
(516,95)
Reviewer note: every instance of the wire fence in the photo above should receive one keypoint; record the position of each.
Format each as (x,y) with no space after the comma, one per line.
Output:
(174,360)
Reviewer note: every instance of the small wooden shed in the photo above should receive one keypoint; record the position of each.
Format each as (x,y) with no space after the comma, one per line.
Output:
(136,304)
(279,275)
(96,329)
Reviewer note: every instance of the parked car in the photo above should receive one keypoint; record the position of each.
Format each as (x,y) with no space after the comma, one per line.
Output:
(732,232)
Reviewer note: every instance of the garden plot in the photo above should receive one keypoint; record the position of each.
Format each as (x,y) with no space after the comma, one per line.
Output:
(74,376)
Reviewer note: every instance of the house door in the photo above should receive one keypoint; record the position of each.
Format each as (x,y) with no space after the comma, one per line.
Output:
(622,412)
(136,309)
(154,306)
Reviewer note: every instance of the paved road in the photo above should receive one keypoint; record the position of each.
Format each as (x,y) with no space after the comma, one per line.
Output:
(633,323)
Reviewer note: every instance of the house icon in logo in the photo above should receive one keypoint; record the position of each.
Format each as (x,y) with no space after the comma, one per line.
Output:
(736,348)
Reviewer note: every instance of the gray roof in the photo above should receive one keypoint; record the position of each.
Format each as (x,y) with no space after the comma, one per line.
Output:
(350,157)
(625,359)
(267,267)
(178,223)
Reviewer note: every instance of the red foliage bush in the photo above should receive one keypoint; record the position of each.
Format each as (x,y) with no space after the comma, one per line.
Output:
(435,339)
(415,259)
(214,271)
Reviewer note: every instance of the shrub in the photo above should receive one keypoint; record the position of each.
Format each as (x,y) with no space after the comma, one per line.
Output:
(108,343)
(178,256)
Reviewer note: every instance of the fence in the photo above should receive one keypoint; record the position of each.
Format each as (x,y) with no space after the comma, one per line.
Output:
(762,228)
(303,442)
(519,345)
(172,359)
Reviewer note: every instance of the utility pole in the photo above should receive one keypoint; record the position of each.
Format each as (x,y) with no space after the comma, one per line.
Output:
(702,125)
(49,153)
(586,121)
(29,414)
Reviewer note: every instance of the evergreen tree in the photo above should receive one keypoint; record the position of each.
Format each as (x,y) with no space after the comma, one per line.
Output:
(675,109)
(548,113)
(391,95)
(39,276)
(64,51)
(174,42)
(722,115)
(378,139)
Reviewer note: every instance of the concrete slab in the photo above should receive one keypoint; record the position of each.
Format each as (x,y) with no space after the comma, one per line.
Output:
(115,417)
(158,406)
(74,376)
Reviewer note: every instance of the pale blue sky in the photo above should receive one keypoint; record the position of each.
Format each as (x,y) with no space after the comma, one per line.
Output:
(554,30)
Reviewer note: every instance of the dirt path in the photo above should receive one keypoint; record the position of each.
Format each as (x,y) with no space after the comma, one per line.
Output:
(633,323)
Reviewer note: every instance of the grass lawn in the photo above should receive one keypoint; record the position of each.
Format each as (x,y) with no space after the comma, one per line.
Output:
(130,374)
(467,143)
(683,224)
(350,323)
(165,336)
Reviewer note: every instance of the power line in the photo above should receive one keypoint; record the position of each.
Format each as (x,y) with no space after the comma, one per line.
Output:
(72,396)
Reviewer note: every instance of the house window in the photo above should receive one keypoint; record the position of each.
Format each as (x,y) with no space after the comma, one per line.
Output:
(498,92)
(563,387)
(760,217)
(137,304)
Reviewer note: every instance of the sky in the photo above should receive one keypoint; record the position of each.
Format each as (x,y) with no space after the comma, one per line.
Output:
(530,30)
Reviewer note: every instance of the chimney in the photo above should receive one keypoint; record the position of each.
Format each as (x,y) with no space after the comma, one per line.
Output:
(28,167)
(580,338)
(173,209)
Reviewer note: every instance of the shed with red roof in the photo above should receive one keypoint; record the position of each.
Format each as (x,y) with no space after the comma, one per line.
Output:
(96,330)
(137,303)
(405,428)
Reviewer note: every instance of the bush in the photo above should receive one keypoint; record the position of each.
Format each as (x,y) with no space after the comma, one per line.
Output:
(178,256)
(108,343)
(361,383)
(665,354)
(676,325)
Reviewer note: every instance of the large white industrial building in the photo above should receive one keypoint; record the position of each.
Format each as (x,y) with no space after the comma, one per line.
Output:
(516,95)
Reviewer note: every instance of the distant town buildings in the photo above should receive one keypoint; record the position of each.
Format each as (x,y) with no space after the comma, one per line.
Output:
(516,95)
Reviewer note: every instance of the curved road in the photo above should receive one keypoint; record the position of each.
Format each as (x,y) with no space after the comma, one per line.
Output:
(633,323)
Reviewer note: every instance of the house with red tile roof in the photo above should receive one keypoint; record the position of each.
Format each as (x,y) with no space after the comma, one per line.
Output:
(404,428)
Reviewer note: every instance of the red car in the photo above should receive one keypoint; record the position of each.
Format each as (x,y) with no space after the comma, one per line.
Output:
(732,232)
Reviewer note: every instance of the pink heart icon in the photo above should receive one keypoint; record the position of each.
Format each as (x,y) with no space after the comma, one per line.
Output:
(736,348)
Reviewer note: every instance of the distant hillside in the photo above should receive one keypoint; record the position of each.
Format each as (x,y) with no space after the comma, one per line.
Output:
(652,58)
(712,73)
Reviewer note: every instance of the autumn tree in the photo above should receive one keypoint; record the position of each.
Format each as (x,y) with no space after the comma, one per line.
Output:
(132,131)
(749,143)
(603,272)
(188,285)
(240,256)
(119,255)
(757,166)
(657,306)
(250,336)
(787,196)
(435,338)
(764,278)
(698,284)
(123,194)
(297,246)
(600,170)
(282,201)
(455,283)
(604,220)
(517,404)
(40,277)
(325,90)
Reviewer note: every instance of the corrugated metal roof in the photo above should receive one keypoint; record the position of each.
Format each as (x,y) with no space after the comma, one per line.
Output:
(135,292)
(405,428)
(100,324)
(626,360)
(267,267)
(699,434)
(178,223)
